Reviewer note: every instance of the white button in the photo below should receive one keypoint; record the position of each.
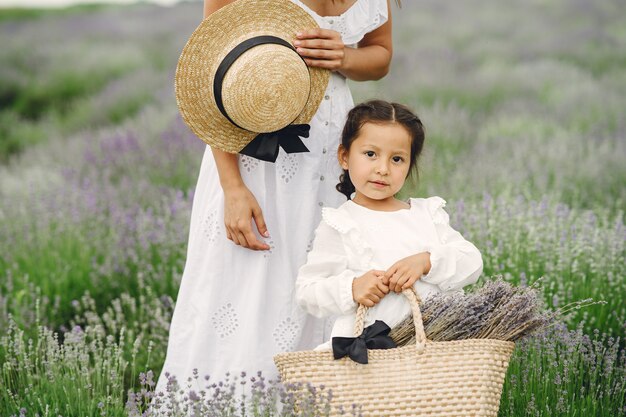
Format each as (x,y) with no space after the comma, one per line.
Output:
(321,178)
(324,150)
(321,204)
(326,97)
(331,21)
(326,123)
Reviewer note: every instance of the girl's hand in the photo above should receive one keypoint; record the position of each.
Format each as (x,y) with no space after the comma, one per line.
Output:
(321,48)
(404,273)
(240,207)
(368,289)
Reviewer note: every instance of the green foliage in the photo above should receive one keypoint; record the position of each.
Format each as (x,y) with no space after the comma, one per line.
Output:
(17,134)
(66,84)
(565,373)
(87,368)
(12,14)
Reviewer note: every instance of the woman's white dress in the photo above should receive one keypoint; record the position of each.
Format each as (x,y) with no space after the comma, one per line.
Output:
(236,307)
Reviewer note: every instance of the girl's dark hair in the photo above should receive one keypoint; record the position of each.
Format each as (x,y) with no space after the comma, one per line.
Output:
(380,111)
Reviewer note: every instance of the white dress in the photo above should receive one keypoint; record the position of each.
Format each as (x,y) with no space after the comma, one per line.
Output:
(236,307)
(353,239)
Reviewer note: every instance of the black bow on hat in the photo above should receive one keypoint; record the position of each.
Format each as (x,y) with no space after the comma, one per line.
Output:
(375,336)
(265,145)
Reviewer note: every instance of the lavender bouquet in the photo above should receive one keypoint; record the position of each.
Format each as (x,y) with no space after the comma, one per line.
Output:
(497,310)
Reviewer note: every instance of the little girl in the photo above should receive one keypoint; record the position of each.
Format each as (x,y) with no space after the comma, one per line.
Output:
(373,246)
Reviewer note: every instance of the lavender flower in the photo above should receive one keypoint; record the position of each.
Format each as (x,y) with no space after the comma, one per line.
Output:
(497,310)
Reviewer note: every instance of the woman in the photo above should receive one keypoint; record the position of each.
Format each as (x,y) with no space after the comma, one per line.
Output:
(236,306)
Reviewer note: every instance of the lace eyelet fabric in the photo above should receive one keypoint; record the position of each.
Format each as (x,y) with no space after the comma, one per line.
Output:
(248,163)
(225,321)
(210,227)
(286,334)
(341,27)
(287,166)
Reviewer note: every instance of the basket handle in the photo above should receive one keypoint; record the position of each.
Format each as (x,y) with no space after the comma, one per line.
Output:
(414,300)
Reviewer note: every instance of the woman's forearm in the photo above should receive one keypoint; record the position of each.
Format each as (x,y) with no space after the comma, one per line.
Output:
(228,169)
(366,63)
(227,163)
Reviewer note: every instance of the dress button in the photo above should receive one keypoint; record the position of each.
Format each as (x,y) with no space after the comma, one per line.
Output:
(326,123)
(324,150)
(331,21)
(321,204)
(327,97)
(321,178)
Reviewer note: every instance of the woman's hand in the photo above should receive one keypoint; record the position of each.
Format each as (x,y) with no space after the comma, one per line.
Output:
(240,208)
(404,273)
(368,289)
(321,48)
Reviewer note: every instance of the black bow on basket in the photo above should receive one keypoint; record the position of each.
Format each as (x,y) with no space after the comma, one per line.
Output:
(375,336)
(265,145)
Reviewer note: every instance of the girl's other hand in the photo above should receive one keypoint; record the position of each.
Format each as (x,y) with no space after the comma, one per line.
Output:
(240,208)
(404,273)
(321,48)
(368,289)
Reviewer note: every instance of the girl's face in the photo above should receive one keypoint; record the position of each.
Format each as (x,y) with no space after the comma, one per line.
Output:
(378,162)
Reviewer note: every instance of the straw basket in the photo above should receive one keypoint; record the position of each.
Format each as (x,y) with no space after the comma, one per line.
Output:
(456,378)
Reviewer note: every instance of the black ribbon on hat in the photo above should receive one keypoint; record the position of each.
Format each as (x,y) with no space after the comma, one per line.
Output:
(375,336)
(264,146)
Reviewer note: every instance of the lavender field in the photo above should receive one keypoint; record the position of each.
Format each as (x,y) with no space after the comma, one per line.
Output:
(524,104)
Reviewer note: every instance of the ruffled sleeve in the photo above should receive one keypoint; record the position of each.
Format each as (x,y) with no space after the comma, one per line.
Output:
(363,17)
(455,262)
(324,282)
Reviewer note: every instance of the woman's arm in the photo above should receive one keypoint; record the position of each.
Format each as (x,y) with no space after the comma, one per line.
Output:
(369,61)
(240,205)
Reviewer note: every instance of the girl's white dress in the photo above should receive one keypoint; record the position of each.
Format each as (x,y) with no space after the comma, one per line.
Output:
(353,239)
(236,307)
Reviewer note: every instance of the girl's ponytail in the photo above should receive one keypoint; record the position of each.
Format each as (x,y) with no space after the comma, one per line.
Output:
(345,185)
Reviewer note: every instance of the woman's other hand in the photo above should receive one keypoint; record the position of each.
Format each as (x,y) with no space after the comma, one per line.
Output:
(368,289)
(404,273)
(321,48)
(370,60)
(240,208)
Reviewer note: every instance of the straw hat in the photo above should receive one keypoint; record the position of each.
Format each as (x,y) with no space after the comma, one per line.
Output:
(241,86)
